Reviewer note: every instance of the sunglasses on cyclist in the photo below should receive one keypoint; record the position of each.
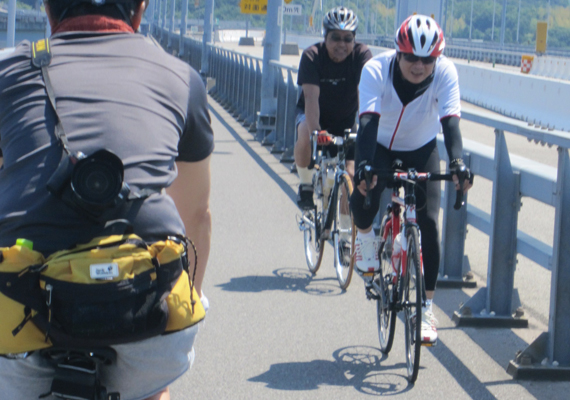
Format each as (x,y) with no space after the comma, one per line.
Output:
(411,58)
(345,39)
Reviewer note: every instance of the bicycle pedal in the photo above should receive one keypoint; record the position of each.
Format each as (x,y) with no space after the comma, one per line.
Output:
(428,344)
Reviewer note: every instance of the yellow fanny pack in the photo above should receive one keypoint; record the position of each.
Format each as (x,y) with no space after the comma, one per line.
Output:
(112,290)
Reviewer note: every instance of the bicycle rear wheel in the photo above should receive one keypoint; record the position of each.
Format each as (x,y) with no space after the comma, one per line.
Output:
(386,317)
(412,299)
(344,233)
(313,221)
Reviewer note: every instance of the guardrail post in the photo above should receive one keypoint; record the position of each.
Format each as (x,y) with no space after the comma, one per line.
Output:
(454,229)
(548,357)
(290,128)
(250,93)
(183,27)
(257,101)
(171,27)
(207,38)
(163,25)
(244,104)
(271,51)
(276,137)
(249,116)
(493,305)
(214,73)
(241,84)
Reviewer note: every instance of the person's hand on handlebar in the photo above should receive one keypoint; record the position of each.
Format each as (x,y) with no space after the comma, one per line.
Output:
(324,138)
(360,178)
(461,174)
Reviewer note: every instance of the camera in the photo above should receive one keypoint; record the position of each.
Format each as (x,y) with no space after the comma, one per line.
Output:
(90,184)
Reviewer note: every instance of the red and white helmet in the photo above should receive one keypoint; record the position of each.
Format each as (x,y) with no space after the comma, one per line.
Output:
(420,35)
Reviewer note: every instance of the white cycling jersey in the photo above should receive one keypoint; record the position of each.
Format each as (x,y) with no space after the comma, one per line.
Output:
(405,128)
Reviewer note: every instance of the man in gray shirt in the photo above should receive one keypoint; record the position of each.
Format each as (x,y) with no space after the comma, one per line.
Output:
(114,90)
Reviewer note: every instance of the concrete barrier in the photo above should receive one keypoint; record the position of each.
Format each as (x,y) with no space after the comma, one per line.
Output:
(552,67)
(508,93)
(234,35)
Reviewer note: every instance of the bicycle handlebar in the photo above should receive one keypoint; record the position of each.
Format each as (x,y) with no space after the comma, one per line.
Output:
(324,138)
(410,176)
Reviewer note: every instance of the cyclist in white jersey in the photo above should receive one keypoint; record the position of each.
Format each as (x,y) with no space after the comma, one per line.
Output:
(406,97)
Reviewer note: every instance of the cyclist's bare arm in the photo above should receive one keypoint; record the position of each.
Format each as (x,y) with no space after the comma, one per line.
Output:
(191,194)
(312,110)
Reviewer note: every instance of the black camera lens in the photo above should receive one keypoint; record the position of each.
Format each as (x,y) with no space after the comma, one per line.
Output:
(98,179)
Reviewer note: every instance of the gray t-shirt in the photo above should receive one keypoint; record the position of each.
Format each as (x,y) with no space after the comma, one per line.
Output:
(113,91)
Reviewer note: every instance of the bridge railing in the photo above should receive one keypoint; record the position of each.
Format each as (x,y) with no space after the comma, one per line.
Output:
(237,87)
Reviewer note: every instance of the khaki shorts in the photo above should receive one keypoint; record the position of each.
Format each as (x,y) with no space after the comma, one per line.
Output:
(143,368)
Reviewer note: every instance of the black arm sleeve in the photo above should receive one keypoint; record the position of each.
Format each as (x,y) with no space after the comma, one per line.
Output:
(366,137)
(452,137)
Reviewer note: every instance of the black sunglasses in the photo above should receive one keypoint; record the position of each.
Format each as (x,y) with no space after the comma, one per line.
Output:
(345,39)
(411,58)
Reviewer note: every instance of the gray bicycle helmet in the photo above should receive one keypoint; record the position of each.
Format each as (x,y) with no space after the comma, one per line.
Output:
(340,18)
(61,7)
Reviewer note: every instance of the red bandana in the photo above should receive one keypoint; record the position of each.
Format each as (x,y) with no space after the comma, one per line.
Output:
(97,23)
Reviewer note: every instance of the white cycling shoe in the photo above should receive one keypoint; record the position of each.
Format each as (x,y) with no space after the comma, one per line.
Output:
(429,327)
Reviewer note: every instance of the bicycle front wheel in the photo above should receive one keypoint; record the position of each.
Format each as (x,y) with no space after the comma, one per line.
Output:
(344,233)
(313,221)
(412,299)
(386,317)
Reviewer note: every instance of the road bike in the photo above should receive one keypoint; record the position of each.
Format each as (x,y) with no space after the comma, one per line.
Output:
(399,284)
(330,219)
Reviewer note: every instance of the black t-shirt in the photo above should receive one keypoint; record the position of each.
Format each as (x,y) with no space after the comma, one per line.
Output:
(338,83)
(113,91)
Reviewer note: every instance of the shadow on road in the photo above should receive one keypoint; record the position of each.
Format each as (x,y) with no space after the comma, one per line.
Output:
(356,366)
(286,279)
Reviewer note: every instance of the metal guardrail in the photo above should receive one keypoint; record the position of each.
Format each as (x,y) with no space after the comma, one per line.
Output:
(238,86)
(486,52)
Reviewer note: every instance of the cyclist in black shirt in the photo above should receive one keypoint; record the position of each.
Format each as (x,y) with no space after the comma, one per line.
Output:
(329,73)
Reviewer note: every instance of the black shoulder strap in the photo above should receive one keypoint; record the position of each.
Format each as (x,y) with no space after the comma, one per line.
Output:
(41,58)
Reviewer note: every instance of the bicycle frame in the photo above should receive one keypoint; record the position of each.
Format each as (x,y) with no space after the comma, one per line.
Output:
(325,163)
(394,224)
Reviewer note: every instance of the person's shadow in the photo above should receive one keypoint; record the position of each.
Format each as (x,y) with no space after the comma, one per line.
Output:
(285,279)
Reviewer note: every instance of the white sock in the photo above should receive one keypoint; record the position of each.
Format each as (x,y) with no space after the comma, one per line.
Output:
(345,223)
(429,304)
(305,175)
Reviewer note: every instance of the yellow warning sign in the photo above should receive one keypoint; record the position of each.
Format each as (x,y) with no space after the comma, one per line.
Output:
(541,32)
(253,6)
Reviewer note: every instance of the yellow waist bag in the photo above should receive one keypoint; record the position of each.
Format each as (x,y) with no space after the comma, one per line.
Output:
(112,290)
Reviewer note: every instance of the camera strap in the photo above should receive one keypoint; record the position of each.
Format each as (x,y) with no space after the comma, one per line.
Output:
(41,58)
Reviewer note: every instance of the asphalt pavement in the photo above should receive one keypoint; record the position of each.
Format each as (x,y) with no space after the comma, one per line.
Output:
(276,332)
